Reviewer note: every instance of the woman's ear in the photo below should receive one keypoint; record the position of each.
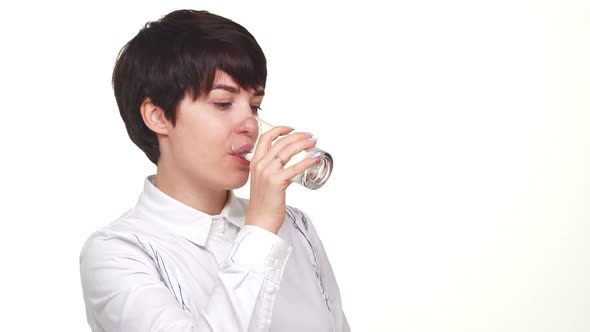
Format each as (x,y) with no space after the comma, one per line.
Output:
(154,117)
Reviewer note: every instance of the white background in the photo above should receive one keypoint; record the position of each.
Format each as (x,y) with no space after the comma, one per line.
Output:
(460,199)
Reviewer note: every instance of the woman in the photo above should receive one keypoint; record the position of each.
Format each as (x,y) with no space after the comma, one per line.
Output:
(191,256)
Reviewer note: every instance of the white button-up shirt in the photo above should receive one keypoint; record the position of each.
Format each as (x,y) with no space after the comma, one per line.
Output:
(164,266)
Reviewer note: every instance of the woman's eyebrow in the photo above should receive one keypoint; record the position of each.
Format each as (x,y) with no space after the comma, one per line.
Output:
(225,87)
(232,89)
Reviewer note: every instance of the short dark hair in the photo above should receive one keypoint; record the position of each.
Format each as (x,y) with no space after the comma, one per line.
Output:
(176,55)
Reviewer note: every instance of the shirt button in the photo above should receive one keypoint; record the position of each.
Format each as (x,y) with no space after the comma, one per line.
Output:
(218,224)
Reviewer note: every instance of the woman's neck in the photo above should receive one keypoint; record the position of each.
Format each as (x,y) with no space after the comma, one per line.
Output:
(199,197)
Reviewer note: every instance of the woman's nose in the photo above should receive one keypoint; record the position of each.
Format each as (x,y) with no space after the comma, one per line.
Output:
(249,126)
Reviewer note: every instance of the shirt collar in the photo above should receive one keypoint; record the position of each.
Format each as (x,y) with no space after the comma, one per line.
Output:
(184,220)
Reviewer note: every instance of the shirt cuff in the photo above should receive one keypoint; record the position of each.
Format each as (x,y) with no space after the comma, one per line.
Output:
(260,251)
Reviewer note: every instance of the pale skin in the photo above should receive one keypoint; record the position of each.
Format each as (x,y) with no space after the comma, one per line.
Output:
(198,166)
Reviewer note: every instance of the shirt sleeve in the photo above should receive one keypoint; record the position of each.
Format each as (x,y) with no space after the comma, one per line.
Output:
(328,279)
(123,290)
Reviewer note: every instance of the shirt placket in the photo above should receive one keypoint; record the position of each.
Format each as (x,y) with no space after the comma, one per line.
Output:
(218,243)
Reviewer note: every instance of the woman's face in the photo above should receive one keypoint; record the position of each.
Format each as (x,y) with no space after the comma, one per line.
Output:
(204,146)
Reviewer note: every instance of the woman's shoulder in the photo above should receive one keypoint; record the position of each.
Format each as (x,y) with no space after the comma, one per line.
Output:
(120,234)
(297,217)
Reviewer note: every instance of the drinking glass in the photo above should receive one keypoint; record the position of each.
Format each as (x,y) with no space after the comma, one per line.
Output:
(312,178)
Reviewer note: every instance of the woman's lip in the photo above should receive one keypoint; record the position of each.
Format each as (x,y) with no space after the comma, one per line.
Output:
(240,159)
(246,148)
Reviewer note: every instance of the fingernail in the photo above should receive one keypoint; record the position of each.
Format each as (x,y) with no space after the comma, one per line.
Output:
(312,139)
(315,155)
(309,134)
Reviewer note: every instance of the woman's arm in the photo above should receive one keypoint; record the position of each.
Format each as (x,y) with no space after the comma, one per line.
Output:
(123,290)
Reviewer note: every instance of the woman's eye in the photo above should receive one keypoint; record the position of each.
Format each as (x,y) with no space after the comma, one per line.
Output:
(223,106)
(255,109)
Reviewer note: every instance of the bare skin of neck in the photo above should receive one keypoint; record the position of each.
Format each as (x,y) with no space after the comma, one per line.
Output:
(207,200)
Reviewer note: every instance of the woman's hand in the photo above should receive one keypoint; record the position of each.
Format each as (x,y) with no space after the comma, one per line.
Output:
(269,178)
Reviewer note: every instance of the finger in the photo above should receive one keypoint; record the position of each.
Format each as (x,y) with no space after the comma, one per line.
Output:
(281,143)
(300,167)
(266,139)
(286,149)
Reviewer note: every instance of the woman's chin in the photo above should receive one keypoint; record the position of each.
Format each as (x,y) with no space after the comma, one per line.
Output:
(236,182)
